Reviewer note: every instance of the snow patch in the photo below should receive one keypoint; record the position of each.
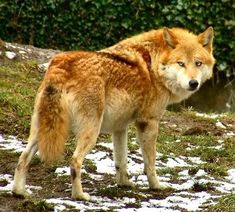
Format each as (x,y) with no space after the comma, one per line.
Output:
(186,201)
(210,116)
(196,160)
(200,173)
(11,143)
(182,198)
(43,66)
(9,184)
(63,171)
(220,124)
(230,134)
(176,162)
(231,175)
(108,145)
(103,163)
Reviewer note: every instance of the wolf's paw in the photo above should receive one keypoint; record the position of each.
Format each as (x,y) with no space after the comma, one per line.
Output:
(126,183)
(82,196)
(160,186)
(20,194)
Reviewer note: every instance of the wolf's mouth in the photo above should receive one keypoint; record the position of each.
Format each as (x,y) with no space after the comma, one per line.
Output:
(192,89)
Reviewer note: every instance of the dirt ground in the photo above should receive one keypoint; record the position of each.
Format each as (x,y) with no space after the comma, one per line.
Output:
(54,186)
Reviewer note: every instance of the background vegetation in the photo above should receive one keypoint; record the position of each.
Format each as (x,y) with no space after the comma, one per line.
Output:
(94,24)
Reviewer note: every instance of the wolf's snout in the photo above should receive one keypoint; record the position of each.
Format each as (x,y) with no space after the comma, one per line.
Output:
(193,84)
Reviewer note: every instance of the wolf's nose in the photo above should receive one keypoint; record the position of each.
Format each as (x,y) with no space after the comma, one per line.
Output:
(193,84)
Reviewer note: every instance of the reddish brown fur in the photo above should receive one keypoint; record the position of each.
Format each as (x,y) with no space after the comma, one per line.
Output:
(53,124)
(132,81)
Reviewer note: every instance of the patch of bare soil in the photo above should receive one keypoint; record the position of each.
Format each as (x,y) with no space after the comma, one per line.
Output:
(54,186)
(186,125)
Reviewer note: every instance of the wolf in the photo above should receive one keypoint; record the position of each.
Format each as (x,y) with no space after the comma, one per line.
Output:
(103,91)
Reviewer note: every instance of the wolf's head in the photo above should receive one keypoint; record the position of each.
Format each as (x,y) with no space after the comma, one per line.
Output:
(187,60)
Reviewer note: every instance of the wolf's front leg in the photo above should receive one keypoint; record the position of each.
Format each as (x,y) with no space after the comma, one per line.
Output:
(120,156)
(147,132)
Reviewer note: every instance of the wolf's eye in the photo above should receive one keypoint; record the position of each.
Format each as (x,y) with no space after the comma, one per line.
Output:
(180,64)
(198,63)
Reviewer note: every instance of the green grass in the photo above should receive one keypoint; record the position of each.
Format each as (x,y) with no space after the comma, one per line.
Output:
(19,84)
(217,161)
(119,192)
(191,113)
(34,204)
(90,166)
(225,204)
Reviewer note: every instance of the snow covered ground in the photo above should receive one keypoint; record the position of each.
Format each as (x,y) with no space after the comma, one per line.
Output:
(183,196)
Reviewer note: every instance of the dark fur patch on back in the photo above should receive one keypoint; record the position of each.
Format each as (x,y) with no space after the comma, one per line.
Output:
(145,54)
(117,58)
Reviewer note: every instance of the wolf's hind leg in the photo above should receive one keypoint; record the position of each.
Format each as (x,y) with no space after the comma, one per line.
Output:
(89,115)
(18,188)
(147,135)
(86,140)
(120,157)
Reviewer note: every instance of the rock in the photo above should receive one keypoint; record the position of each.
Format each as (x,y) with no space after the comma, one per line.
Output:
(10,55)
(21,53)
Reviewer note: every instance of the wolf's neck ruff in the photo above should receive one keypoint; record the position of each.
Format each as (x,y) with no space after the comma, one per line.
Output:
(163,50)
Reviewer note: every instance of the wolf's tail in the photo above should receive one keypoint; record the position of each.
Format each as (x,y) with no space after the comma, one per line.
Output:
(53,123)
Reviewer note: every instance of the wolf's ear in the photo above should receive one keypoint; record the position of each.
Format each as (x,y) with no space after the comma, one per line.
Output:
(206,38)
(169,38)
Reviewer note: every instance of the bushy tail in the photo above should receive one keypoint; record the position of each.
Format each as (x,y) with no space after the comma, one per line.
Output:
(53,123)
